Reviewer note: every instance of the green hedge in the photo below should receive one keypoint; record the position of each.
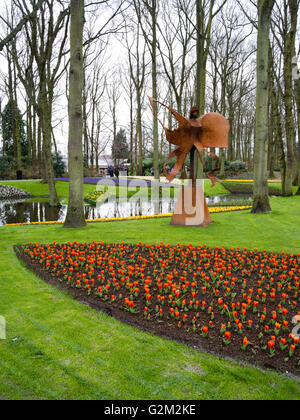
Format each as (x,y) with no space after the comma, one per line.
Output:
(247,188)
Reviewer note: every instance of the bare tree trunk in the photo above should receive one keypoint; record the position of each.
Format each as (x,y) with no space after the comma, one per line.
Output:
(131,128)
(201,56)
(75,216)
(85,124)
(40,153)
(17,123)
(201,75)
(136,152)
(271,146)
(261,194)
(47,142)
(137,67)
(203,29)
(45,117)
(139,131)
(147,11)
(154,88)
(276,116)
(271,126)
(289,52)
(14,108)
(223,111)
(297,95)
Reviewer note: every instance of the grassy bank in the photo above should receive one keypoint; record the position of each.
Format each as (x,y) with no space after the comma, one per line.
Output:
(35,188)
(57,348)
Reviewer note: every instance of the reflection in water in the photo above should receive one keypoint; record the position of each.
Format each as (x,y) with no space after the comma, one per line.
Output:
(217,199)
(26,212)
(129,209)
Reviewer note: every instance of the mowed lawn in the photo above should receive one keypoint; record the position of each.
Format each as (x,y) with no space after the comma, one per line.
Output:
(37,189)
(57,348)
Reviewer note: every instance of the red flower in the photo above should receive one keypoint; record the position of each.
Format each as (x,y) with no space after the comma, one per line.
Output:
(245,342)
(271,344)
(227,335)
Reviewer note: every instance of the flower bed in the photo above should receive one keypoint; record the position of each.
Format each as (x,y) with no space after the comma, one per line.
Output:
(235,302)
(97,197)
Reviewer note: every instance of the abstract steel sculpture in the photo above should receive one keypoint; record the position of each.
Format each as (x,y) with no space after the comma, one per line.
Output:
(210,130)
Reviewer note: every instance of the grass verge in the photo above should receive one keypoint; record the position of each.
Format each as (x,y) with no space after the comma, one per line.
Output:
(37,189)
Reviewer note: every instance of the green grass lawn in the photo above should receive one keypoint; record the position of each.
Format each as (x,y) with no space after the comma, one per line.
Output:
(57,348)
(37,189)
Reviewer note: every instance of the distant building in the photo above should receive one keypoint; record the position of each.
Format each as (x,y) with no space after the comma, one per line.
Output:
(107,161)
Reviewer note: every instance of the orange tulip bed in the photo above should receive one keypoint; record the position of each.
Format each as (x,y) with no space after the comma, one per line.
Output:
(231,302)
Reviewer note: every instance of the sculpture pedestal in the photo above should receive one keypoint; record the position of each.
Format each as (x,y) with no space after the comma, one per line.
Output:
(191,208)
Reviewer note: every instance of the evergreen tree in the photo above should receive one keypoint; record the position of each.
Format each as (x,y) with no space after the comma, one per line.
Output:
(10,148)
(58,164)
(120,146)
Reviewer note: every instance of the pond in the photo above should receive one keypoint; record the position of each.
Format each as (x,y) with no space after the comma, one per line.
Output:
(34,211)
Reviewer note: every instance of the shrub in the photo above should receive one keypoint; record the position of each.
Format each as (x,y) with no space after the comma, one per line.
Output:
(26,162)
(58,164)
(237,166)
(6,166)
(247,188)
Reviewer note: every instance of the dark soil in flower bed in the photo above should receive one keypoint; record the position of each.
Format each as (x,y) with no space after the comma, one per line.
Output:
(247,188)
(210,299)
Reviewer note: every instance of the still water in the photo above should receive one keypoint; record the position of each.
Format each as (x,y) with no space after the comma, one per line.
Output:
(26,211)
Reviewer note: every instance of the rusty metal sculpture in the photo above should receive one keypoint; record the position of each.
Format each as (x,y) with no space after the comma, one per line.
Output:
(208,131)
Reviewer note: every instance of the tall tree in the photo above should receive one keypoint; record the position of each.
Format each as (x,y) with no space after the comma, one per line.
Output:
(75,216)
(113,93)
(261,194)
(205,13)
(94,90)
(120,150)
(13,102)
(23,59)
(42,31)
(13,123)
(147,13)
(175,45)
(284,30)
(230,60)
(137,69)
(291,8)
(296,74)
